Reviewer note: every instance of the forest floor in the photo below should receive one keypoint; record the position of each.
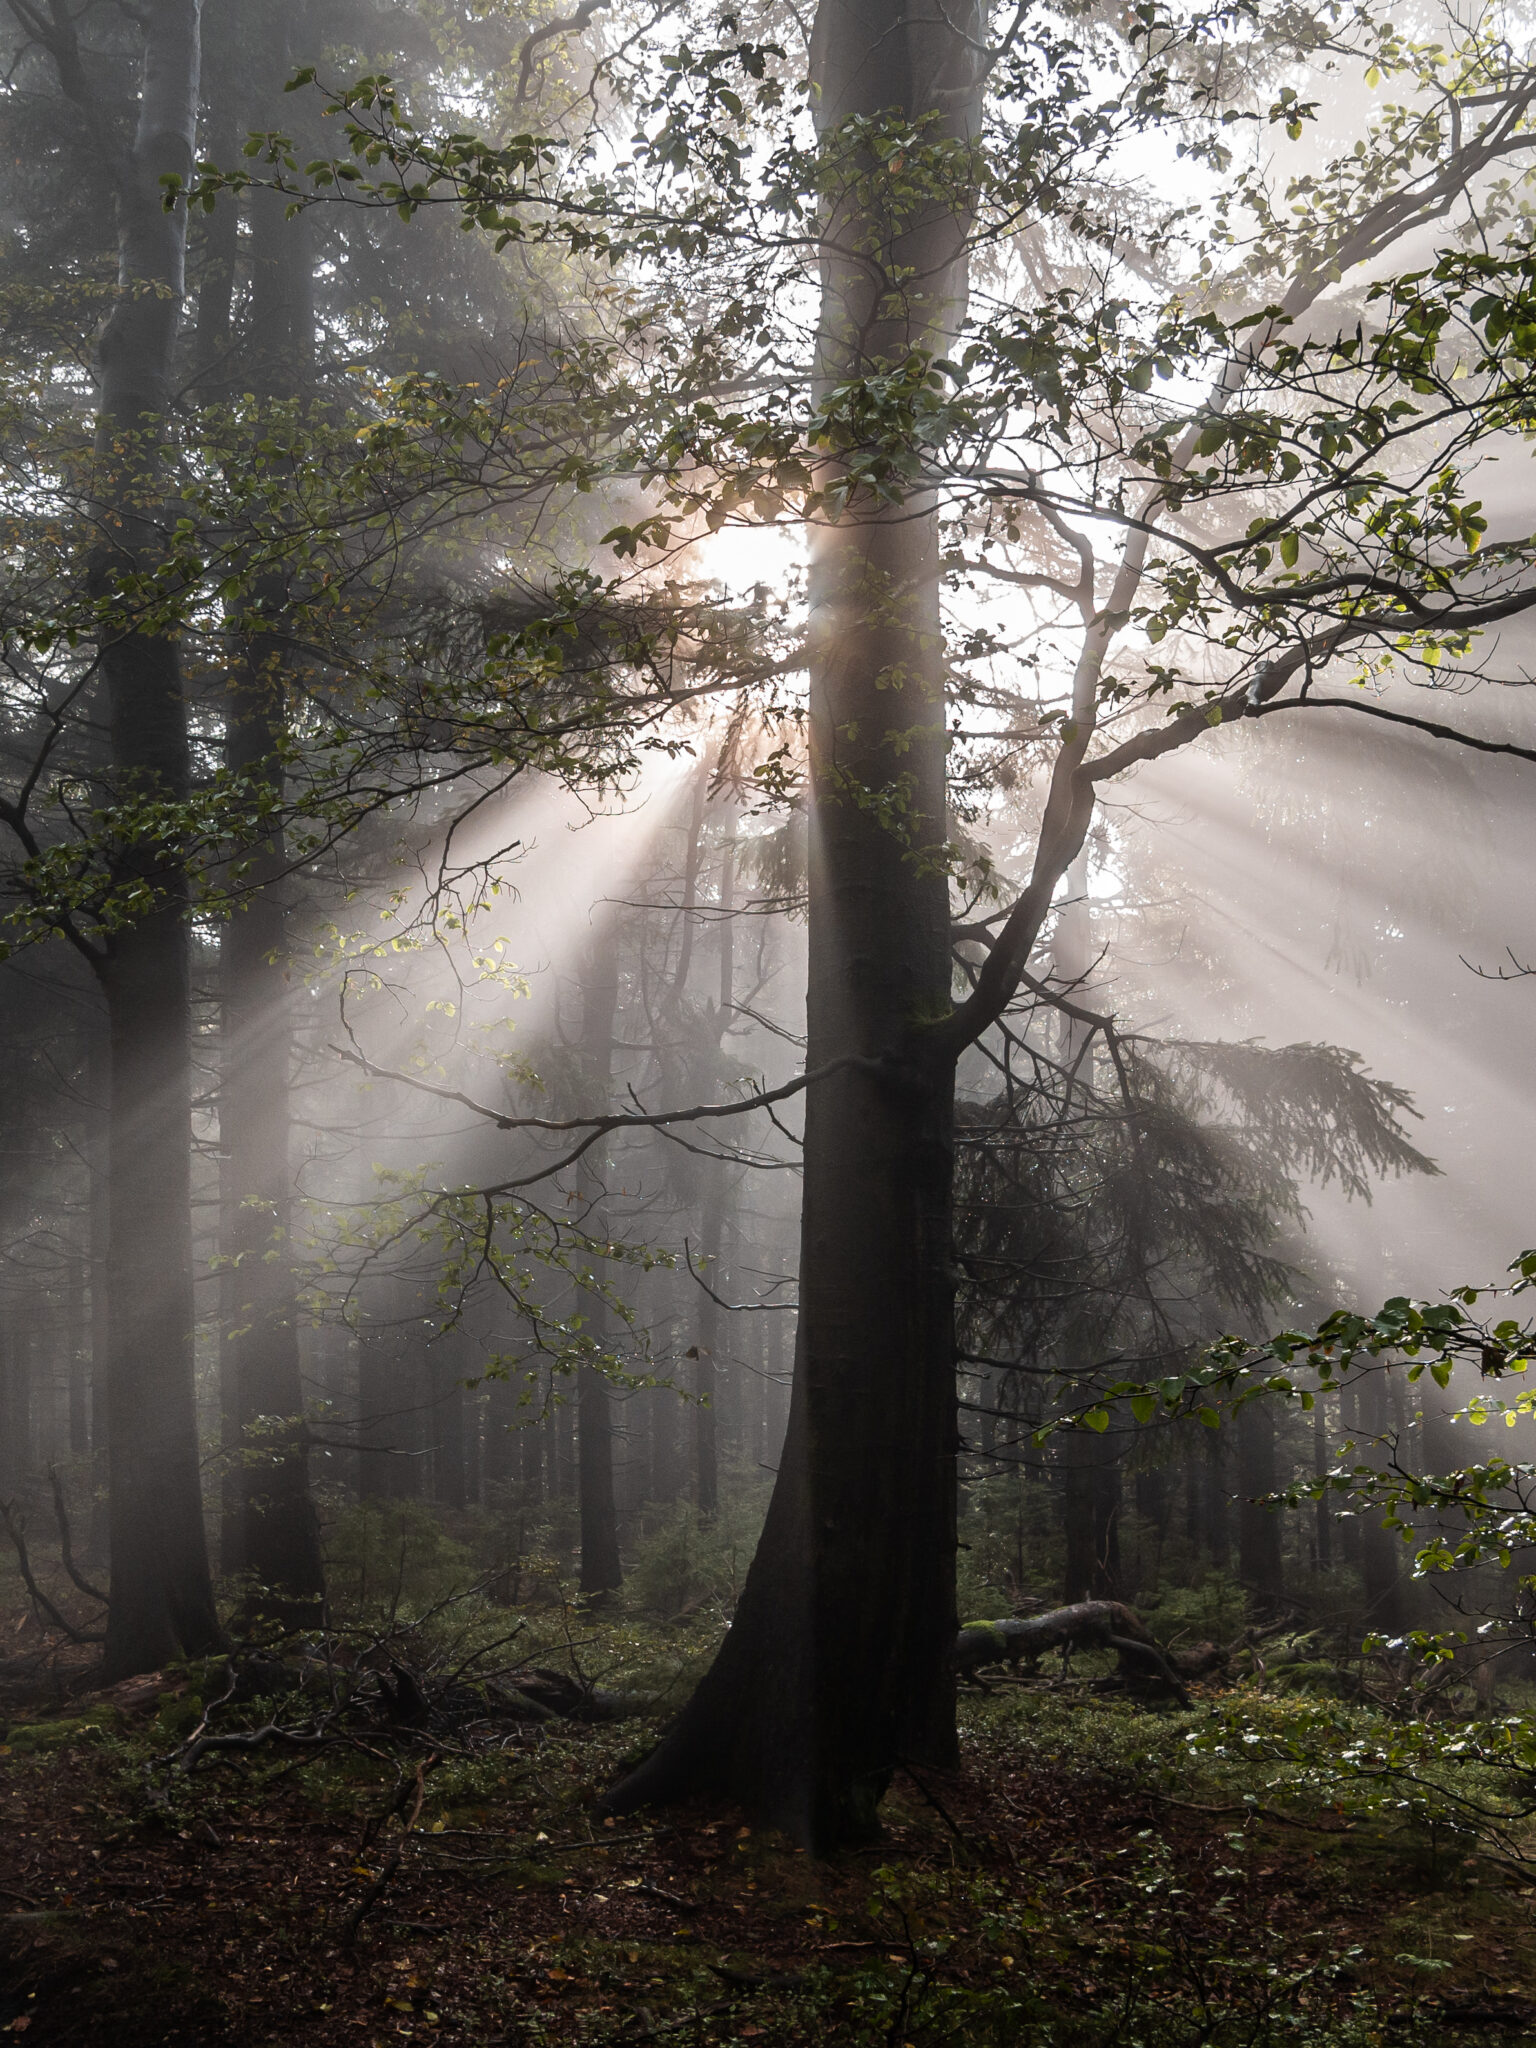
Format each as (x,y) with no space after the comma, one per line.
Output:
(1046,1895)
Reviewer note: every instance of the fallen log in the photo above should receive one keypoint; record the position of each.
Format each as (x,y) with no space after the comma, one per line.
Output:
(1085,1625)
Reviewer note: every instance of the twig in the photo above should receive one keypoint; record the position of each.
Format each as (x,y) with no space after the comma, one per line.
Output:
(66,1549)
(391,1862)
(1270,1813)
(938,1806)
(692,2019)
(13,1528)
(296,1738)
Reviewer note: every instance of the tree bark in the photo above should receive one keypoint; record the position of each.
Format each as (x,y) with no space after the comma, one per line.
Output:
(162,1596)
(1381,1549)
(1260,1560)
(279,1537)
(601,1569)
(838,1665)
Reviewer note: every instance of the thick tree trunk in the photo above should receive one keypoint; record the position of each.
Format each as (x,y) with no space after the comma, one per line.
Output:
(162,1597)
(838,1665)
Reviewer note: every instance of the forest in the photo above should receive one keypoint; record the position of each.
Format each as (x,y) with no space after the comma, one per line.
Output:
(767,1002)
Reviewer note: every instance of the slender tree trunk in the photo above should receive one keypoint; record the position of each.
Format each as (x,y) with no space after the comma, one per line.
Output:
(14,1421)
(162,1596)
(1323,1514)
(532,1445)
(77,1352)
(1218,1505)
(450,1469)
(279,1538)
(836,1669)
(708,1380)
(705,1347)
(1381,1549)
(502,1440)
(1260,1559)
(98,1090)
(601,1570)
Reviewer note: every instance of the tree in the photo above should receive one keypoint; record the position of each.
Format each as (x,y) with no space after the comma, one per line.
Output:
(162,1597)
(835,1670)
(1307,511)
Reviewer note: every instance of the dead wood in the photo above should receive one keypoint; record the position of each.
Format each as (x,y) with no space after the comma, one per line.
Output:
(1085,1625)
(11,1522)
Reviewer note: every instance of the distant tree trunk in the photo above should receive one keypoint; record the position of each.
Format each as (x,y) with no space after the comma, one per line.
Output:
(561,1445)
(1381,1549)
(98,1091)
(1260,1561)
(162,1595)
(15,1422)
(279,1538)
(709,1384)
(390,1393)
(532,1443)
(1091,1504)
(77,1353)
(450,1472)
(502,1438)
(1322,1525)
(705,1347)
(1350,1544)
(1218,1505)
(474,1448)
(601,1569)
(837,1665)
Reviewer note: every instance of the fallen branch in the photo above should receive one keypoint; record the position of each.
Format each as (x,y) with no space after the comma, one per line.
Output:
(66,1548)
(41,1603)
(1087,1624)
(391,1862)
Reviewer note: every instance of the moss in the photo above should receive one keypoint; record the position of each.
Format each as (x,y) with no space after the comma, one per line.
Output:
(31,1737)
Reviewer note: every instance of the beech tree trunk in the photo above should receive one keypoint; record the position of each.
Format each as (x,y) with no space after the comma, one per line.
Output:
(162,1597)
(838,1665)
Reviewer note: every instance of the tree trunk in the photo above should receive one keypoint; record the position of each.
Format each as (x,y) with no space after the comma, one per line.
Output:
(837,1667)
(1218,1503)
(162,1596)
(449,1367)
(1323,1514)
(15,1421)
(1091,1512)
(601,1570)
(1381,1549)
(703,1351)
(75,1353)
(279,1538)
(1260,1561)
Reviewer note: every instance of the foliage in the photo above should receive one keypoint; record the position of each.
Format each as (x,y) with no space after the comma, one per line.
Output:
(391,1557)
